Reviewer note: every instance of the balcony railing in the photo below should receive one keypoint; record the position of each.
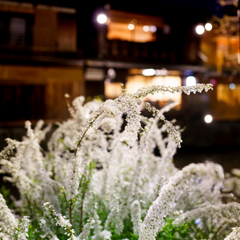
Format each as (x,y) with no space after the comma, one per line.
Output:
(8,51)
(163,51)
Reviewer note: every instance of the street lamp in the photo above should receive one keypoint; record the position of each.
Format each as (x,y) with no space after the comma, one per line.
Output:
(191,81)
(200,29)
(101,18)
(208,118)
(208,26)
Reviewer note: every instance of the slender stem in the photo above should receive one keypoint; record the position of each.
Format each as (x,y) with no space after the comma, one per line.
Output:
(30,208)
(87,182)
(81,211)
(65,197)
(69,207)
(80,184)
(70,214)
(84,133)
(85,186)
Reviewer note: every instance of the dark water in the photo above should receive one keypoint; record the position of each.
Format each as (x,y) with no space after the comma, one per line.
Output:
(228,157)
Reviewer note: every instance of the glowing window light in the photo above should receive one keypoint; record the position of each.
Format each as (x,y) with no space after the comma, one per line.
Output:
(191,81)
(208,118)
(146,28)
(153,29)
(138,81)
(200,29)
(112,90)
(232,85)
(161,72)
(149,72)
(172,81)
(208,26)
(101,18)
(131,26)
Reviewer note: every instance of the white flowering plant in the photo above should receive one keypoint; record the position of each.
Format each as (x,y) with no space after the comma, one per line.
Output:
(100,178)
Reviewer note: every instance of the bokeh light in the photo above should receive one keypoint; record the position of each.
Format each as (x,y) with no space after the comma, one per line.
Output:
(208,118)
(149,72)
(131,26)
(191,81)
(208,26)
(232,85)
(199,29)
(146,28)
(153,28)
(102,18)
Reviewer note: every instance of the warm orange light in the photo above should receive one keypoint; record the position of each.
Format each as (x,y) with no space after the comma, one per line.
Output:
(228,95)
(131,26)
(146,28)
(136,82)
(121,31)
(112,90)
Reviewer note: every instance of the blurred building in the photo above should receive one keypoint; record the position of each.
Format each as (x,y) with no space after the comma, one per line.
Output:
(49,48)
(221,50)
(47,51)
(35,45)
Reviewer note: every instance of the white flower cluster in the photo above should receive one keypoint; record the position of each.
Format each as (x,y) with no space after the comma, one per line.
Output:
(104,160)
(173,133)
(136,216)
(8,222)
(105,235)
(86,229)
(171,192)
(218,217)
(98,233)
(234,235)
(61,221)
(73,175)
(131,105)
(115,219)
(143,92)
(27,170)
(22,233)
(47,231)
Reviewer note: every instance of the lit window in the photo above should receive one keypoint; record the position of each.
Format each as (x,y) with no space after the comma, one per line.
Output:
(112,90)
(230,95)
(136,82)
(121,31)
(132,27)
